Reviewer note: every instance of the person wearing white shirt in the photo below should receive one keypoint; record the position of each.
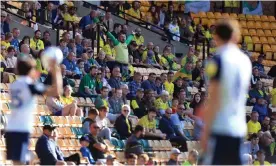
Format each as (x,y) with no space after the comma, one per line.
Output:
(10,60)
(102,122)
(174,29)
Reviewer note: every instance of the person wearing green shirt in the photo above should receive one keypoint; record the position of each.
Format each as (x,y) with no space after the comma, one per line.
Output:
(120,45)
(190,57)
(192,158)
(87,87)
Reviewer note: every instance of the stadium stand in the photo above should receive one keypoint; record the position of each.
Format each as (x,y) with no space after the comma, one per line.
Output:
(258,39)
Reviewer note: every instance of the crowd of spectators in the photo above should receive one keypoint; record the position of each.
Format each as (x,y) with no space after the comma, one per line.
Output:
(159,106)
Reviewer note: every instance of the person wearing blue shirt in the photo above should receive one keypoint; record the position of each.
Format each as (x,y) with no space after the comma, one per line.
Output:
(261,108)
(72,69)
(87,24)
(5,26)
(79,47)
(150,82)
(134,85)
(257,92)
(84,141)
(15,41)
(260,66)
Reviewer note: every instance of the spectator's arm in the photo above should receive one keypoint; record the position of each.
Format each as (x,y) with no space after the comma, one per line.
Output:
(101,147)
(113,39)
(52,104)
(129,39)
(86,128)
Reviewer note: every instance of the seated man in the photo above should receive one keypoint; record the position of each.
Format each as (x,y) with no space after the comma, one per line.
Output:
(137,104)
(261,158)
(149,123)
(72,69)
(253,126)
(261,108)
(132,144)
(123,124)
(87,87)
(257,92)
(116,102)
(96,146)
(92,114)
(102,122)
(192,158)
(162,103)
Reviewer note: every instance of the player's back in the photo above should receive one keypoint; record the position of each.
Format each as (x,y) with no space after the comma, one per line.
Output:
(235,74)
(22,106)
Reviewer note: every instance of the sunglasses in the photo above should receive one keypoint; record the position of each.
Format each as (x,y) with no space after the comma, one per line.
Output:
(126,110)
(168,113)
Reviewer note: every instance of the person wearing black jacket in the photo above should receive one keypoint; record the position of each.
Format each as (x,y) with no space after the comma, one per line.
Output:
(123,124)
(92,114)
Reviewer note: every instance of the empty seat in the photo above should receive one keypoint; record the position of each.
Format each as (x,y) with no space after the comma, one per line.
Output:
(268,32)
(210,23)
(258,25)
(210,15)
(225,15)
(264,18)
(249,17)
(250,24)
(245,31)
(241,17)
(274,33)
(271,18)
(204,21)
(243,24)
(256,17)
(260,32)
(233,15)
(252,32)
(271,40)
(256,39)
(273,25)
(268,52)
(202,14)
(263,40)
(266,25)
(218,15)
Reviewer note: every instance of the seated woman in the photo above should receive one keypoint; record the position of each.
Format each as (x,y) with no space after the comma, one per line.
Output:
(65,105)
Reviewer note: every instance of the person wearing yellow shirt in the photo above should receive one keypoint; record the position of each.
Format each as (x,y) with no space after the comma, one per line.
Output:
(253,126)
(70,18)
(109,50)
(145,53)
(162,103)
(39,65)
(190,57)
(7,41)
(67,99)
(149,123)
(138,37)
(134,12)
(261,159)
(169,86)
(35,43)
(185,72)
(273,94)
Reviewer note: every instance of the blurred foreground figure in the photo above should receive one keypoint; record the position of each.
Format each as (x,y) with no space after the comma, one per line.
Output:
(229,73)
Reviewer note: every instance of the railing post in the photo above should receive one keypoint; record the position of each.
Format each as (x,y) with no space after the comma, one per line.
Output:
(57,34)
(208,48)
(203,50)
(98,38)
(241,7)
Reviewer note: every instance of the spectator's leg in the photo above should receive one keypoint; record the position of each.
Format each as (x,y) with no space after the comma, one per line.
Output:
(79,112)
(105,134)
(74,158)
(61,163)
(69,110)
(180,141)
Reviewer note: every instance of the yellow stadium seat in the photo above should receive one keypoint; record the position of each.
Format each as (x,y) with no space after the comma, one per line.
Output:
(263,40)
(210,15)
(268,32)
(268,52)
(225,15)
(204,21)
(264,18)
(245,32)
(218,15)
(211,22)
(233,15)
(250,24)
(271,18)
(194,15)
(256,39)
(273,48)
(273,25)
(249,17)
(256,17)
(271,40)
(260,32)
(274,33)
(202,14)
(241,17)
(265,25)
(196,20)
(145,3)
(252,32)
(243,24)
(258,25)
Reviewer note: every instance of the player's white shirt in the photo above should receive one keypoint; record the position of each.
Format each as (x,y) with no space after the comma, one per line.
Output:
(23,103)
(234,69)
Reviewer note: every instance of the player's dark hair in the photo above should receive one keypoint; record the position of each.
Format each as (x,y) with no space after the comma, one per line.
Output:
(24,65)
(224,30)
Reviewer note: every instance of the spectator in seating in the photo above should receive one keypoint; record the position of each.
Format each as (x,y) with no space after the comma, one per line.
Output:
(150,59)
(133,144)
(102,122)
(86,62)
(109,50)
(260,66)
(7,41)
(46,39)
(10,60)
(72,46)
(137,55)
(167,61)
(125,92)
(196,71)
(124,29)
(101,59)
(84,141)
(79,48)
(138,37)
(272,71)
(273,94)
(132,50)
(174,105)
(131,159)
(35,43)
(169,14)
(108,21)
(257,92)
(174,157)
(15,40)
(5,26)
(116,30)
(70,18)
(185,72)
(190,57)
(72,69)
(58,20)
(87,85)
(159,85)
(182,98)
(116,102)
(135,84)
(135,12)
(255,77)
(152,15)
(185,32)
(267,143)
(25,40)
(162,103)
(143,159)
(63,47)
(149,83)
(265,124)
(65,80)
(80,64)
(145,53)
(195,104)
(252,146)
(261,108)
(174,30)
(261,158)
(66,37)
(47,14)
(149,123)
(137,103)
(253,126)
(88,24)
(123,124)
(67,98)
(168,84)
(192,158)
(114,80)
(97,146)
(162,15)
(47,150)
(156,54)
(178,85)
(177,120)
(39,65)
(110,160)
(92,114)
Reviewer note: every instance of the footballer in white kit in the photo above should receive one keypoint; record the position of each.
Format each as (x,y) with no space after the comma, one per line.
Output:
(229,75)
(23,103)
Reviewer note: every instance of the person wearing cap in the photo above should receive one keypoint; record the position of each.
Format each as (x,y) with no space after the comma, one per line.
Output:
(102,122)
(137,104)
(111,160)
(261,108)
(92,114)
(138,38)
(87,87)
(123,123)
(5,27)
(192,158)
(84,141)
(162,103)
(174,157)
